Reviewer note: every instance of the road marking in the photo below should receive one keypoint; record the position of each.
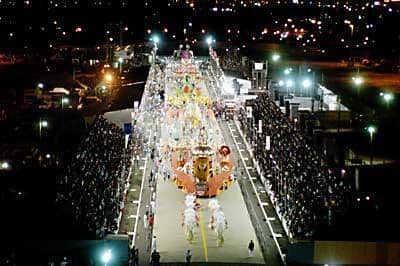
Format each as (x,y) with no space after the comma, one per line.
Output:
(277,235)
(257,196)
(203,235)
(271,218)
(264,203)
(249,167)
(135,201)
(138,209)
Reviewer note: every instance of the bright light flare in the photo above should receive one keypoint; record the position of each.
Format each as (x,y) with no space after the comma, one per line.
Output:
(358,80)
(106,257)
(276,57)
(306,83)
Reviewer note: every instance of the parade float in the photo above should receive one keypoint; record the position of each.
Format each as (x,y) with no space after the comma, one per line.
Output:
(200,159)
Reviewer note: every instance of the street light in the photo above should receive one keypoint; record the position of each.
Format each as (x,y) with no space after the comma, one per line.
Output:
(42,124)
(289,83)
(276,57)
(40,85)
(209,40)
(387,97)
(306,83)
(64,101)
(286,71)
(358,80)
(156,39)
(371,130)
(120,61)
(106,257)
(4,166)
(108,77)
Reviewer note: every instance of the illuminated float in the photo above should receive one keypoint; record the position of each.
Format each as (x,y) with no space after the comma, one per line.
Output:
(201,161)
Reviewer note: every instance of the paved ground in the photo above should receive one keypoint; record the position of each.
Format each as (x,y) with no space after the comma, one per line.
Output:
(172,242)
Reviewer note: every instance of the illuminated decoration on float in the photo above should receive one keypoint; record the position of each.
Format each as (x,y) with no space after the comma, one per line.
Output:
(200,159)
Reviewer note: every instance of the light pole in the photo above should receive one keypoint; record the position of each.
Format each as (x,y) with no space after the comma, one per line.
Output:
(156,41)
(371,130)
(120,61)
(42,124)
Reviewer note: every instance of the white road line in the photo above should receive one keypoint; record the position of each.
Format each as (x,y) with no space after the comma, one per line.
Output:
(259,201)
(282,221)
(138,209)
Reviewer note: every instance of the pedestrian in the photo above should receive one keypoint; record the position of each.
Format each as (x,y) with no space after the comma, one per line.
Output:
(155,258)
(251,248)
(146,219)
(136,258)
(188,257)
(153,206)
(151,221)
(154,243)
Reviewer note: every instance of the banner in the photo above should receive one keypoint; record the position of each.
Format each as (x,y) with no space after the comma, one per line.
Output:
(249,111)
(268,143)
(136,106)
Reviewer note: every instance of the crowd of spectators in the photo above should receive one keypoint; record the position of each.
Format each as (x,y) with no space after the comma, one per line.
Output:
(92,188)
(305,191)
(231,60)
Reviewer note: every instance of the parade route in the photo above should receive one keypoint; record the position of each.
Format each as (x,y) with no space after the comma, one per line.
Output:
(171,239)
